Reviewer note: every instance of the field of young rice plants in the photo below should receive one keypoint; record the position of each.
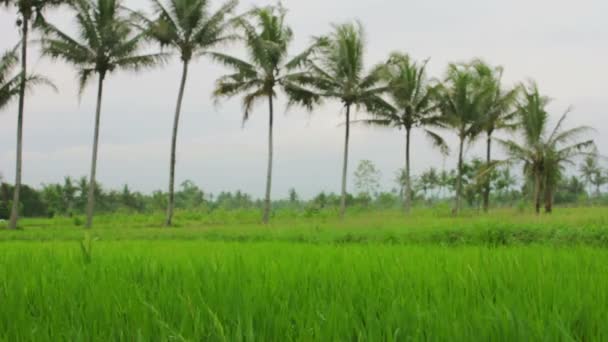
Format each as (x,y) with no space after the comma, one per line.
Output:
(282,284)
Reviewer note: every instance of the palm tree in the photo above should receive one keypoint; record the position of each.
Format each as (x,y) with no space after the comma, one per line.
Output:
(11,87)
(29,11)
(337,72)
(267,39)
(544,153)
(106,44)
(413,106)
(462,99)
(499,113)
(191,29)
(588,170)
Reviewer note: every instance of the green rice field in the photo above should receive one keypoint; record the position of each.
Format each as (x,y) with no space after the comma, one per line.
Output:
(506,276)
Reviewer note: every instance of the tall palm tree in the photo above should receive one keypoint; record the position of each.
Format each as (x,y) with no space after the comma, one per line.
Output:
(499,113)
(544,152)
(106,44)
(30,12)
(11,87)
(412,106)
(338,72)
(267,40)
(462,99)
(191,29)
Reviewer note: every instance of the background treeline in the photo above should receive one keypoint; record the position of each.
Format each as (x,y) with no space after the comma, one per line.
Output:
(432,188)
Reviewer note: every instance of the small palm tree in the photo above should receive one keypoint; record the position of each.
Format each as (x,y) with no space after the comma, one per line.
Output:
(267,40)
(499,113)
(29,11)
(589,169)
(462,99)
(544,153)
(105,45)
(413,106)
(338,72)
(192,30)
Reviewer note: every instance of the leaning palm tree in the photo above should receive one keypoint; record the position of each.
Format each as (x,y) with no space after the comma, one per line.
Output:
(191,29)
(499,113)
(267,38)
(412,106)
(338,72)
(106,44)
(544,152)
(462,98)
(30,12)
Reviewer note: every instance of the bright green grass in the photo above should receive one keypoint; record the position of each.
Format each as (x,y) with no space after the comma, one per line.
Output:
(567,226)
(279,291)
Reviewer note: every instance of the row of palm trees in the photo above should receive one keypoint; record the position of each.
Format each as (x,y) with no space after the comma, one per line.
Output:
(470,100)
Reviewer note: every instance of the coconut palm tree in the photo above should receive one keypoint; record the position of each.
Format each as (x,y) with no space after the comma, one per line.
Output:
(337,71)
(544,152)
(29,12)
(589,169)
(412,106)
(11,87)
(191,29)
(499,113)
(462,99)
(267,38)
(106,44)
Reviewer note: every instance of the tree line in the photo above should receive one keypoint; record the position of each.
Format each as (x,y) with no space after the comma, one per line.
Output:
(470,99)
(431,188)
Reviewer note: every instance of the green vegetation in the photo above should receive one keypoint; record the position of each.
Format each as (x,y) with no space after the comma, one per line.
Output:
(221,275)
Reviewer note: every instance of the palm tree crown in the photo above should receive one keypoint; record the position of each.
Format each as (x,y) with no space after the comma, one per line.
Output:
(9,83)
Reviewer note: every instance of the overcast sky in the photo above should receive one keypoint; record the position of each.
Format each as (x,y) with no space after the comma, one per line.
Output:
(562,44)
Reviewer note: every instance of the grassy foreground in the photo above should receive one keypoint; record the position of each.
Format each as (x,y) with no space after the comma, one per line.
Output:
(376,277)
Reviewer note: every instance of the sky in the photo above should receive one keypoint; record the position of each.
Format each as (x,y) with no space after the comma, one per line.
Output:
(563,45)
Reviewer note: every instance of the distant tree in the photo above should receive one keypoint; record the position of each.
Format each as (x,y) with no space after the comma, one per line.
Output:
(191,29)
(498,112)
(463,98)
(544,152)
(106,44)
(267,39)
(367,178)
(293,196)
(589,170)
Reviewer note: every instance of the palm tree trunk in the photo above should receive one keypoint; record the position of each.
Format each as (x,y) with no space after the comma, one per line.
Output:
(408,181)
(266,216)
(537,186)
(92,181)
(345,163)
(15,209)
(178,108)
(459,178)
(486,190)
(548,199)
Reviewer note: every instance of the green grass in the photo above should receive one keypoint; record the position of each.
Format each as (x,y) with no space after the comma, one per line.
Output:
(508,276)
